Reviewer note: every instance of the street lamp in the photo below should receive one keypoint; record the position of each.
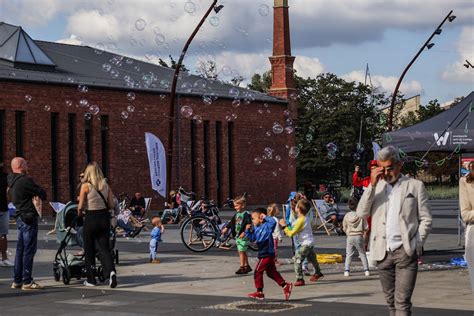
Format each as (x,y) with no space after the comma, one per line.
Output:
(169,160)
(427,45)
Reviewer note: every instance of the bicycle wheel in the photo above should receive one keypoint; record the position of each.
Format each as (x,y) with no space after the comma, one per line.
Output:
(198,234)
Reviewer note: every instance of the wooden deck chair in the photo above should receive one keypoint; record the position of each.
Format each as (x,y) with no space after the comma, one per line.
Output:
(324,223)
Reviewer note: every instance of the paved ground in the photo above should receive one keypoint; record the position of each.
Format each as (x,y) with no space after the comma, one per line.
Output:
(204,284)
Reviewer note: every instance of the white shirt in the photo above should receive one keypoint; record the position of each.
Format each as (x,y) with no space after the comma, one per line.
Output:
(392,227)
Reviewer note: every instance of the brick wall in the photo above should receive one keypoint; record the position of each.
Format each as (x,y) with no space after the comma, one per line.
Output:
(128,165)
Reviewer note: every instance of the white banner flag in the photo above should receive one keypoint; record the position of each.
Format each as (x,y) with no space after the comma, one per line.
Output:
(375,148)
(157,161)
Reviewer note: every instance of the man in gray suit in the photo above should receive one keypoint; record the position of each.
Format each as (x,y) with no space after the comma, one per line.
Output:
(401,222)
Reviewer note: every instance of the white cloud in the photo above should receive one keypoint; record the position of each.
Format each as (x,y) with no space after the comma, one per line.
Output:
(308,67)
(456,72)
(386,83)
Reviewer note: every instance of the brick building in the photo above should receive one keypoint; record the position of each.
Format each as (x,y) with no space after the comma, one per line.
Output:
(64,105)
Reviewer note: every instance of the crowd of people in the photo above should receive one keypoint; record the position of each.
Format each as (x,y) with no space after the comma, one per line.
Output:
(392,219)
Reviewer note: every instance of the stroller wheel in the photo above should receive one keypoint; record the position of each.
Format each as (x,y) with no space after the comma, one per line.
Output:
(57,274)
(100,274)
(66,276)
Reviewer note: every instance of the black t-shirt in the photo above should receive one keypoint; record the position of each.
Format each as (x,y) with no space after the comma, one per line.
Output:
(137,202)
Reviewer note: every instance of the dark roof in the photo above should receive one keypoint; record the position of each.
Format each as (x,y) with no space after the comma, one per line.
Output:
(451,130)
(85,65)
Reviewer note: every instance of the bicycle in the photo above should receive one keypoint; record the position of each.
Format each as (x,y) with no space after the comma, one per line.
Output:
(201,232)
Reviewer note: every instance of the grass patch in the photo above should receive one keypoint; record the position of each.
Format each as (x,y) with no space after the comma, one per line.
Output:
(443,192)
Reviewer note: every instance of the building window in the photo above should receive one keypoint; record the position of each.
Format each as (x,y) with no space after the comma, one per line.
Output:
(219,161)
(72,156)
(206,159)
(230,152)
(54,155)
(2,134)
(104,139)
(88,138)
(193,157)
(20,130)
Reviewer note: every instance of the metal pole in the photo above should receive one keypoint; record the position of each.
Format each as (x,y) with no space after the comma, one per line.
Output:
(394,96)
(171,111)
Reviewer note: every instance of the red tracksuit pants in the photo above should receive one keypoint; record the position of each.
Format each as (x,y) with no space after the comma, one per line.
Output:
(267,264)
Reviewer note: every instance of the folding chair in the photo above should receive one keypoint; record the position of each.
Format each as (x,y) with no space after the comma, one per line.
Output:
(324,223)
(147,208)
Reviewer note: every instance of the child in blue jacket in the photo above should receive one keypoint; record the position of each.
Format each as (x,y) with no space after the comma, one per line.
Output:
(261,233)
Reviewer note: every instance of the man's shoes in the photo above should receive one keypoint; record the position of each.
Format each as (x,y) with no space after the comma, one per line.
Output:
(113,280)
(347,274)
(287,290)
(86,283)
(242,270)
(299,282)
(257,295)
(6,263)
(316,277)
(248,269)
(367,273)
(32,286)
(16,285)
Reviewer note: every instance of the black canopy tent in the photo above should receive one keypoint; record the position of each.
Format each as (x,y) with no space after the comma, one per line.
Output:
(449,131)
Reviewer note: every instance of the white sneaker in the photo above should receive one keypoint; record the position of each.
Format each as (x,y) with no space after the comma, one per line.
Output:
(367,273)
(113,279)
(88,284)
(7,263)
(347,273)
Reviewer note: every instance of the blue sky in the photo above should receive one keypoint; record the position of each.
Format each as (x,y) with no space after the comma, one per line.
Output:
(339,36)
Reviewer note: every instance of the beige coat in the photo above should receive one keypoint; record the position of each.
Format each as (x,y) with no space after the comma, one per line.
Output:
(466,200)
(415,216)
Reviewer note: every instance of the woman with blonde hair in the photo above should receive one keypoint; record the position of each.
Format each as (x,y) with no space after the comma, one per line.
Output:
(95,200)
(466,204)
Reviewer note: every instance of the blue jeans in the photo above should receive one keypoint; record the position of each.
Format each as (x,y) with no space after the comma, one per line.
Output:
(25,251)
(126,226)
(153,248)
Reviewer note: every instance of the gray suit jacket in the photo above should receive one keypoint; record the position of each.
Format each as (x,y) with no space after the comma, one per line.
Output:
(414,215)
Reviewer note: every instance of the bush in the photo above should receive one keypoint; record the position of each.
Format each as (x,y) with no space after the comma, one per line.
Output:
(443,192)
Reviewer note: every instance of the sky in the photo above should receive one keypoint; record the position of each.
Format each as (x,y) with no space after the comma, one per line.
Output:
(340,36)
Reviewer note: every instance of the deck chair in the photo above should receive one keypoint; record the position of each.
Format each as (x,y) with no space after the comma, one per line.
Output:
(326,224)
(147,209)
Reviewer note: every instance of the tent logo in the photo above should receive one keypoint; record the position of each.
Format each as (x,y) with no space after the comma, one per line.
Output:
(441,140)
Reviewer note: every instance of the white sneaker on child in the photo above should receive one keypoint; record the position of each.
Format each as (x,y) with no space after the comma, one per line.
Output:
(347,273)
(367,273)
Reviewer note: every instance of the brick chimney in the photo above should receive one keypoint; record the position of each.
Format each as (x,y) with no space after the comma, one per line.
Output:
(282,62)
(283,84)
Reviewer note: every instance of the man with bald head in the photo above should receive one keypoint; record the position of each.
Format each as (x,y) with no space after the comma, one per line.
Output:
(23,189)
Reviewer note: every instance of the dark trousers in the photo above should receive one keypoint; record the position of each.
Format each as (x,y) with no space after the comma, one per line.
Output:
(96,238)
(397,273)
(25,251)
(267,264)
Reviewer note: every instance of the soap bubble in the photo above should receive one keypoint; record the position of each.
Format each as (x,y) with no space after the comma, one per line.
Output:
(68,103)
(197,119)
(263,10)
(228,118)
(268,152)
(356,156)
(331,156)
(83,88)
(114,73)
(87,116)
(234,92)
(131,96)
(189,7)
(200,84)
(106,67)
(236,103)
(165,84)
(84,103)
(130,108)
(140,24)
(186,111)
(47,107)
(233,116)
(124,115)
(286,113)
(160,39)
(331,147)
(277,128)
(309,138)
(293,152)
(207,99)
(257,161)
(28,98)
(94,109)
(214,21)
(187,87)
(289,129)
(277,157)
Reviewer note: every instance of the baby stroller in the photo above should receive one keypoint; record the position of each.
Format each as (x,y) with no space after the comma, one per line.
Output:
(69,234)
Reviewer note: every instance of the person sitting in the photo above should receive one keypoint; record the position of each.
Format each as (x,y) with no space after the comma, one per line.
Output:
(137,205)
(330,211)
(128,223)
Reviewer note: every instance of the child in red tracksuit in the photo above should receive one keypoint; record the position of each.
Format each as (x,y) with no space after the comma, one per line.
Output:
(262,234)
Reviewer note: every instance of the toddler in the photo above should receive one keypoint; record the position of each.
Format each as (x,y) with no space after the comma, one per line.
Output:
(156,232)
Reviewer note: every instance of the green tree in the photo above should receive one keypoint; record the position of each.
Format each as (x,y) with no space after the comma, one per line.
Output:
(261,82)
(173,64)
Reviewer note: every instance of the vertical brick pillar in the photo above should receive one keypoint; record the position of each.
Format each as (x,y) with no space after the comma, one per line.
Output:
(283,85)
